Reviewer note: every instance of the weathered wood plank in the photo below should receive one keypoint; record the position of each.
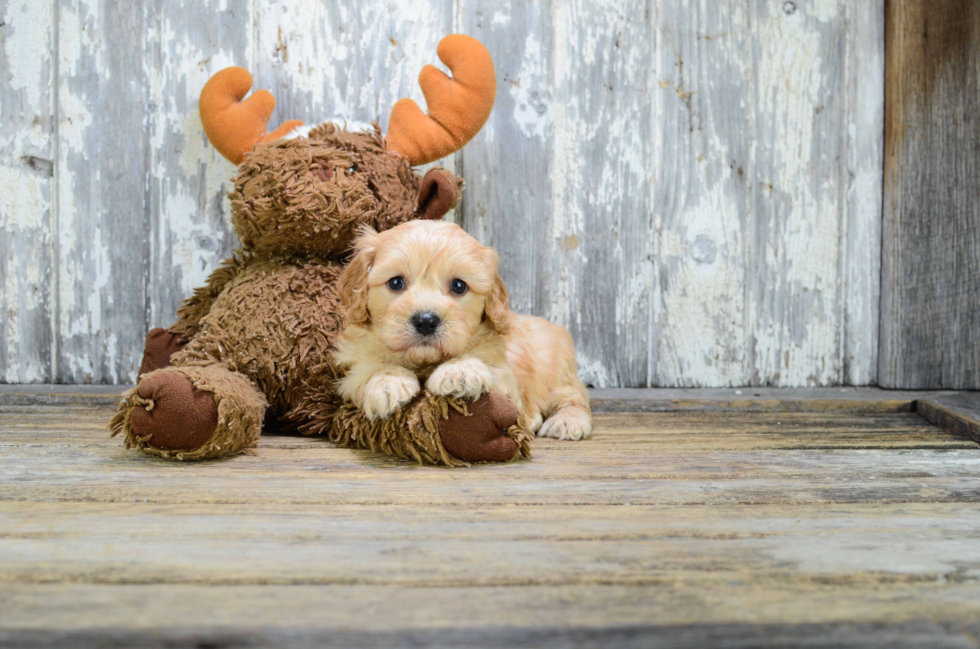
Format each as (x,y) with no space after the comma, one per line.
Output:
(651,534)
(701,209)
(651,475)
(864,70)
(750,193)
(797,191)
(580,233)
(737,431)
(686,252)
(602,400)
(930,307)
(340,61)
(857,547)
(190,233)
(27,151)
(102,172)
(929,616)
(958,413)
(507,202)
(610,185)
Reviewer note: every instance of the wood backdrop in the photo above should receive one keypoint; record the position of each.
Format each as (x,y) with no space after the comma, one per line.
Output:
(692,186)
(930,306)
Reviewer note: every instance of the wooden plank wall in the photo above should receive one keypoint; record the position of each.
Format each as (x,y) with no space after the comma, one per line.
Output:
(692,186)
(930,307)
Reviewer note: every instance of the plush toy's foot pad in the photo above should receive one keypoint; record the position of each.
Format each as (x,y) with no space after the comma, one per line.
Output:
(172,414)
(480,436)
(158,347)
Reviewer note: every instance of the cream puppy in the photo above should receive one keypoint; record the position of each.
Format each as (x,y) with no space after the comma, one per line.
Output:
(425,302)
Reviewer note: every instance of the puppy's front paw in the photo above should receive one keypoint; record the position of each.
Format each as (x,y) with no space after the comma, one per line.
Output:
(567,424)
(385,394)
(467,379)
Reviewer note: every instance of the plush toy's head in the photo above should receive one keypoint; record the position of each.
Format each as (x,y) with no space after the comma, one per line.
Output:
(307,192)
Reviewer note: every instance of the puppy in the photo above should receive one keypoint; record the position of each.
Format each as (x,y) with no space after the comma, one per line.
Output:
(425,302)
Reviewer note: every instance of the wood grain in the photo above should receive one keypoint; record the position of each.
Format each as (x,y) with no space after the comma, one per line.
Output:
(62,454)
(188,207)
(693,188)
(957,413)
(666,529)
(592,617)
(102,167)
(930,307)
(704,227)
(27,225)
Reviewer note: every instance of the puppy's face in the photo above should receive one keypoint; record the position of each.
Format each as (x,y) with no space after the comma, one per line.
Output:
(425,288)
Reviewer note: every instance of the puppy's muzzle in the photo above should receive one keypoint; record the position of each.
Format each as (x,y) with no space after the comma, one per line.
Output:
(425,322)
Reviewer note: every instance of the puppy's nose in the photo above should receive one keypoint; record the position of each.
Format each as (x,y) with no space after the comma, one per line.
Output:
(426,322)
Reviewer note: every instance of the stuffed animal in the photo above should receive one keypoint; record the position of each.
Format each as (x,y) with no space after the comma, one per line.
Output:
(252,348)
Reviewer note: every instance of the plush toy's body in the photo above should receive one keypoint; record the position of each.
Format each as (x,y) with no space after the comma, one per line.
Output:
(253,347)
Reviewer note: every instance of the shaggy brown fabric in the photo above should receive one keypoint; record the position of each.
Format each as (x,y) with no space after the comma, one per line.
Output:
(260,333)
(483,431)
(281,205)
(240,410)
(158,347)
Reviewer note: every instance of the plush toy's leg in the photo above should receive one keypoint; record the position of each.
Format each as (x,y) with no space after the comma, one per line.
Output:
(486,431)
(191,413)
(430,430)
(159,346)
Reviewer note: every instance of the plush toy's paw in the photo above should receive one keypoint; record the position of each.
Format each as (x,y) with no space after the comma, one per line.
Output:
(173,413)
(385,394)
(480,436)
(567,424)
(467,378)
(158,347)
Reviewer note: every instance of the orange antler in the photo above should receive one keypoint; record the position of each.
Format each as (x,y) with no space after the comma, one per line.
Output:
(234,126)
(458,106)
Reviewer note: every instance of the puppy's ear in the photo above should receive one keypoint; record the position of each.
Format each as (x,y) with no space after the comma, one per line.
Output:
(352,286)
(497,305)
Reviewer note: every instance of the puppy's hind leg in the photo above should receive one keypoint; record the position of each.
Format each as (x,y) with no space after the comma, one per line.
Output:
(571,417)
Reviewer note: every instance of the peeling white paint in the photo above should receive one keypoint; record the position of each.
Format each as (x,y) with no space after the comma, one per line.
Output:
(25,191)
(22,200)
(694,193)
(28,31)
(532,103)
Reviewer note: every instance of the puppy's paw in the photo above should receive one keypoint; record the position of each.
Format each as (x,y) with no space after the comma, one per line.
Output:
(567,424)
(385,394)
(467,378)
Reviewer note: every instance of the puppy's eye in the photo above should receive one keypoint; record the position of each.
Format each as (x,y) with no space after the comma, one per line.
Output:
(396,283)
(457,286)
(351,169)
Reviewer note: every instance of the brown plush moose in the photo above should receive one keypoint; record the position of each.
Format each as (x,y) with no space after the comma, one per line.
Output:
(252,348)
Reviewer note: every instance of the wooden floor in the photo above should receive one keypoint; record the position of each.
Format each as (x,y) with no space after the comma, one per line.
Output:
(734,527)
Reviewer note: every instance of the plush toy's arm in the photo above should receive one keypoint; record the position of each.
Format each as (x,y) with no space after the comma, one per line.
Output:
(429,430)
(197,306)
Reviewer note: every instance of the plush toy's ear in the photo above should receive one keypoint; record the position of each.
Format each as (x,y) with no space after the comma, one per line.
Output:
(352,286)
(439,193)
(458,106)
(497,307)
(234,126)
